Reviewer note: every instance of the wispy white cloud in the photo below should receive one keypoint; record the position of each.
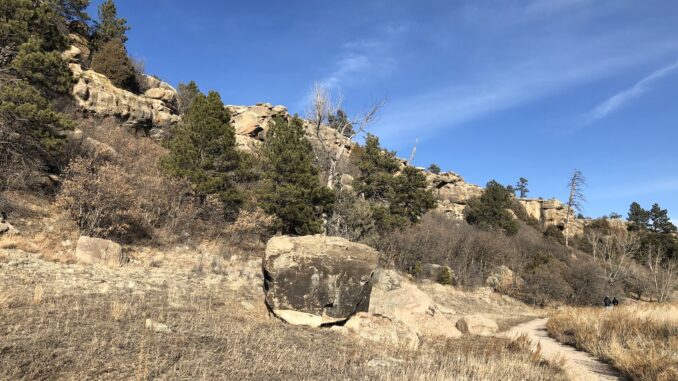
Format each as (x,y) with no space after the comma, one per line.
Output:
(618,100)
(508,85)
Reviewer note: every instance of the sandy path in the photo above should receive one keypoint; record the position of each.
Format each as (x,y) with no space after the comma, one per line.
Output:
(580,366)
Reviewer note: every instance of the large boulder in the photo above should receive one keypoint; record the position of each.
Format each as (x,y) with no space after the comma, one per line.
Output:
(99,251)
(398,299)
(477,325)
(316,280)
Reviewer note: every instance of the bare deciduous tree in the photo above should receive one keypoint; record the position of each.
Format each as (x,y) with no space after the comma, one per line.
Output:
(617,251)
(328,155)
(664,273)
(575,199)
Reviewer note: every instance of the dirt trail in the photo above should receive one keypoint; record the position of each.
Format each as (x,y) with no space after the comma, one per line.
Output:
(580,366)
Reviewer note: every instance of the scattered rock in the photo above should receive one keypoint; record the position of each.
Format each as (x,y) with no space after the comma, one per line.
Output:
(157,327)
(315,280)
(385,363)
(438,273)
(382,330)
(99,251)
(398,299)
(7,229)
(477,325)
(502,279)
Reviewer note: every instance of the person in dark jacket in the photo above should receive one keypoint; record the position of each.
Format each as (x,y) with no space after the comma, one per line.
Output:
(607,302)
(615,302)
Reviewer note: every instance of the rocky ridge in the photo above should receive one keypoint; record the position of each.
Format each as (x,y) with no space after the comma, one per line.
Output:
(155,111)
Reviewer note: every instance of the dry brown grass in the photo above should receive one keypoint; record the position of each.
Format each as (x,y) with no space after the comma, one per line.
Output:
(640,340)
(214,338)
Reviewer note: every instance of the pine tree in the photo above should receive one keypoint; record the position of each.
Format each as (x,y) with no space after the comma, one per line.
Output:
(434,168)
(109,27)
(202,150)
(291,187)
(638,217)
(112,61)
(660,220)
(45,70)
(397,197)
(521,186)
(491,209)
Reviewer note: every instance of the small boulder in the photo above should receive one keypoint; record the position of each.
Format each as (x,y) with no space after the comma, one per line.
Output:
(477,325)
(382,330)
(157,327)
(438,273)
(99,251)
(503,279)
(398,299)
(316,280)
(7,229)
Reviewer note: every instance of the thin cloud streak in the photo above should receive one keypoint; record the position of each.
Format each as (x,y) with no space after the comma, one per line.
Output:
(618,100)
(503,88)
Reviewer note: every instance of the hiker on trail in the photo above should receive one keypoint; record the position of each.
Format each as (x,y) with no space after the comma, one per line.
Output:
(615,302)
(607,302)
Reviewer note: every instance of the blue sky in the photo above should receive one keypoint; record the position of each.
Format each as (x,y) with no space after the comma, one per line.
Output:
(491,89)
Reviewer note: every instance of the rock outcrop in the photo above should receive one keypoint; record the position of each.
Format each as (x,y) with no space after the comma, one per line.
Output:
(95,93)
(477,325)
(552,212)
(316,280)
(452,193)
(398,299)
(98,251)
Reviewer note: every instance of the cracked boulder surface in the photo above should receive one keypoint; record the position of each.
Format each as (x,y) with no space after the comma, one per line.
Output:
(317,280)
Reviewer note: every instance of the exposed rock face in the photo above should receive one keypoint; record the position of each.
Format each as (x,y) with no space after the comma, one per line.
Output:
(98,251)
(315,280)
(396,298)
(477,325)
(90,145)
(452,193)
(552,212)
(381,329)
(254,120)
(93,92)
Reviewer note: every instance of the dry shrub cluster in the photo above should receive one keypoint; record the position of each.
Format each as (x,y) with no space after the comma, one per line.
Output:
(124,195)
(550,273)
(250,230)
(640,340)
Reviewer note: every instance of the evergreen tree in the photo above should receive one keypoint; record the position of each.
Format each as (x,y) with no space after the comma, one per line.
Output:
(112,61)
(202,150)
(45,70)
(638,217)
(397,197)
(434,168)
(291,187)
(340,122)
(491,209)
(32,36)
(109,27)
(521,186)
(186,93)
(660,220)
(74,10)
